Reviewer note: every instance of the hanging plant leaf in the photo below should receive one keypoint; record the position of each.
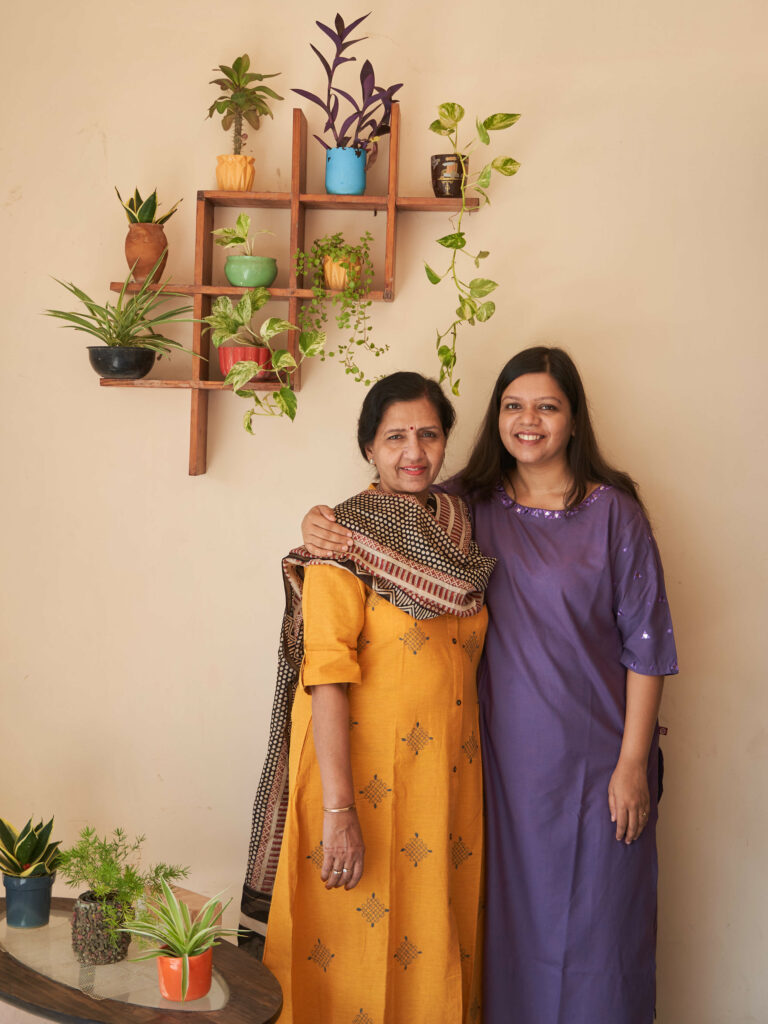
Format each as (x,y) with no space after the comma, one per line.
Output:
(287,402)
(505,165)
(498,122)
(456,240)
(433,277)
(481,286)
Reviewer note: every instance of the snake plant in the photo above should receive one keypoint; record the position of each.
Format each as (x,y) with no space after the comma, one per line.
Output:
(144,211)
(28,853)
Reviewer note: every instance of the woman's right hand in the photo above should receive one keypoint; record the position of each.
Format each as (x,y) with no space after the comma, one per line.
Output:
(343,850)
(322,535)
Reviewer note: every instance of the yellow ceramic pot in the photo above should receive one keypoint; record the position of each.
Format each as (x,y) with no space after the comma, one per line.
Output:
(234,172)
(335,274)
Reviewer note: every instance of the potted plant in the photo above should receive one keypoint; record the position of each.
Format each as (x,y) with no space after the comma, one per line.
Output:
(473,306)
(145,242)
(109,868)
(341,274)
(183,944)
(239,101)
(244,269)
(28,861)
(233,335)
(128,329)
(354,135)
(255,355)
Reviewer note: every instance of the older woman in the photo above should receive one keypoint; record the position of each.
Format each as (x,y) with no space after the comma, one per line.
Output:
(579,641)
(375,905)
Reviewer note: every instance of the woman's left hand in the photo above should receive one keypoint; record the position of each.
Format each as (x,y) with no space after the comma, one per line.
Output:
(629,800)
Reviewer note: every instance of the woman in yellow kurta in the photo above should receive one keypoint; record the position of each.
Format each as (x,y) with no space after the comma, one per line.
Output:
(375,906)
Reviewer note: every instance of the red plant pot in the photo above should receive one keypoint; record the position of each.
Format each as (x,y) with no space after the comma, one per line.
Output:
(231,354)
(169,971)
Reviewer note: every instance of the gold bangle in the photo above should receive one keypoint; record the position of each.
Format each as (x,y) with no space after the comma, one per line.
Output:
(338,810)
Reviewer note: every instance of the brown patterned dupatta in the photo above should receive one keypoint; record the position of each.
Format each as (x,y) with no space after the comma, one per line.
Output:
(424,562)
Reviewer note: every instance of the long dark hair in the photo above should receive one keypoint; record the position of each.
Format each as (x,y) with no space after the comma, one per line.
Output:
(490,460)
(403,386)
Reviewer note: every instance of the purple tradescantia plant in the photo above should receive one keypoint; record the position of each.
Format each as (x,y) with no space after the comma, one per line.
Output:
(370,118)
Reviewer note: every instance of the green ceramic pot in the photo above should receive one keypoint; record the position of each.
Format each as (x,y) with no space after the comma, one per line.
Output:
(251,271)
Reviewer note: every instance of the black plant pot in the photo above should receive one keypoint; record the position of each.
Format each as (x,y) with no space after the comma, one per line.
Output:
(121,363)
(447,173)
(92,941)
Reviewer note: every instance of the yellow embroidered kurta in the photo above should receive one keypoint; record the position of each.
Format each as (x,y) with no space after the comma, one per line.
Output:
(401,947)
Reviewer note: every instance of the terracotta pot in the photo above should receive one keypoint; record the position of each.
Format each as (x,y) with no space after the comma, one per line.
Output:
(143,245)
(169,972)
(234,172)
(92,942)
(231,354)
(335,274)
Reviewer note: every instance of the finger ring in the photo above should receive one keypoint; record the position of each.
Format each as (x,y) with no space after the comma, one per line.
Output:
(345,870)
(643,814)
(337,872)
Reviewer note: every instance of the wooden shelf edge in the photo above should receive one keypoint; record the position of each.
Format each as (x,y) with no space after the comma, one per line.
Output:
(279,199)
(185,385)
(377,295)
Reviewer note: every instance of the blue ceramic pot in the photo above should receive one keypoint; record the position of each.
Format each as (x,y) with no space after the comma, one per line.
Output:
(345,172)
(28,900)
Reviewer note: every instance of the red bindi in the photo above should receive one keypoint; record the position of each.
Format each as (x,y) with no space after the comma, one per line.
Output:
(411,428)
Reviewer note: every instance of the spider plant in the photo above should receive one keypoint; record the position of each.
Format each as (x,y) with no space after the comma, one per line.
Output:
(132,322)
(168,922)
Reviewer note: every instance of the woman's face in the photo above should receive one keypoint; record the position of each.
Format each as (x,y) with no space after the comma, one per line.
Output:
(409,448)
(535,420)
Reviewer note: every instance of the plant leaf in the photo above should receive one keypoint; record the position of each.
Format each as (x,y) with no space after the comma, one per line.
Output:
(486,311)
(287,402)
(311,343)
(433,277)
(282,360)
(274,325)
(450,114)
(484,178)
(482,132)
(481,286)
(439,128)
(505,165)
(456,240)
(497,122)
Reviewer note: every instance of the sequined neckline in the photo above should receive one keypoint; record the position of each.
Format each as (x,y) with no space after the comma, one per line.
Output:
(548,513)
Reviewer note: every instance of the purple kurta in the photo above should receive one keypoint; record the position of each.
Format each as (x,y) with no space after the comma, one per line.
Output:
(576,599)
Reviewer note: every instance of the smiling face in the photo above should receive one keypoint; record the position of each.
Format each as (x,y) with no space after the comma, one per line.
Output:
(408,448)
(535,420)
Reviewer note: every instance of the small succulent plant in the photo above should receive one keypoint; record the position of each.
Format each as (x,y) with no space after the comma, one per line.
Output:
(28,853)
(144,211)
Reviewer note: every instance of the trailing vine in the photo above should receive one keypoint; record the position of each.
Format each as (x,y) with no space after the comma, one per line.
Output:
(351,303)
(473,305)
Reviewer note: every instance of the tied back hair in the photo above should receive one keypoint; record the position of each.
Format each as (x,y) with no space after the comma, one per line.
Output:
(489,461)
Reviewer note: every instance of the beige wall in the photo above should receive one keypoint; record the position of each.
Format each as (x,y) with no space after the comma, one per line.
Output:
(140,606)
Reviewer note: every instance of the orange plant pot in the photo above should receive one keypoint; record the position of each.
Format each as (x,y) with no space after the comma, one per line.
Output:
(234,172)
(169,972)
(231,354)
(143,245)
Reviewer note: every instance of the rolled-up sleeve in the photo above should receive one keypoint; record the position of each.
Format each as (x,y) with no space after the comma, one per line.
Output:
(333,607)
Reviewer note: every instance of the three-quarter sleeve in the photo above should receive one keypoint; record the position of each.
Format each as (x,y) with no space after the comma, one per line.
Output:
(640,602)
(333,607)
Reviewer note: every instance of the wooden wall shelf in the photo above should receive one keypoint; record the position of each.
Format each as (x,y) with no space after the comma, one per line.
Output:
(298,201)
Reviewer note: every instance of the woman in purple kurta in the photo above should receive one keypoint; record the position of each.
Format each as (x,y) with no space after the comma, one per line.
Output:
(579,640)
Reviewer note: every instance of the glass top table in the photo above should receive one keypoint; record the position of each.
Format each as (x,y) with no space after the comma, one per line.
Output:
(39,973)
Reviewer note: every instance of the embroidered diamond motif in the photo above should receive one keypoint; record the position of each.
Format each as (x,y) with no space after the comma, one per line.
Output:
(459,852)
(362,643)
(375,791)
(406,953)
(416,849)
(471,646)
(417,738)
(372,601)
(362,1018)
(316,856)
(414,638)
(372,910)
(321,955)
(471,747)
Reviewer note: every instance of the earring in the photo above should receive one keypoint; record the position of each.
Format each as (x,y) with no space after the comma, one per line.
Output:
(372,462)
